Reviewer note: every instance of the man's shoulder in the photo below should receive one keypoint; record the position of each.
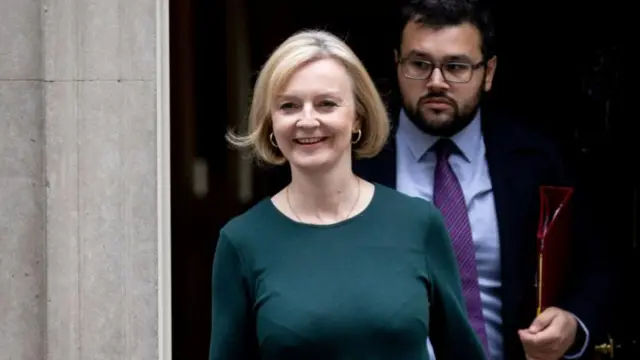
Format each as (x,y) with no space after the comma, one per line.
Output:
(379,168)
(527,145)
(518,132)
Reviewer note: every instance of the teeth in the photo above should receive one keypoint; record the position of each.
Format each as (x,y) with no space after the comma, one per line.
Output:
(308,140)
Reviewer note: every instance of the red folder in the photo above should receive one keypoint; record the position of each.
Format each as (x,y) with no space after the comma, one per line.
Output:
(554,239)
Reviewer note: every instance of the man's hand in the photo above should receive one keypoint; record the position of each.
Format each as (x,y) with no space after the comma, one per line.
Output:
(550,335)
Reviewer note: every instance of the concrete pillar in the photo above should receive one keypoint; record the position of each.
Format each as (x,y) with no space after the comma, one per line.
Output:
(79,208)
(22,195)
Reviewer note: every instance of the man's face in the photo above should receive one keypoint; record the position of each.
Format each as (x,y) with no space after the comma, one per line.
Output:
(446,101)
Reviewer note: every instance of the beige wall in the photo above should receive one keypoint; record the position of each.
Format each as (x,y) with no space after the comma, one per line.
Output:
(79,165)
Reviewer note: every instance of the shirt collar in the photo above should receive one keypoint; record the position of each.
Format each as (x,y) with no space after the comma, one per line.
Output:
(468,140)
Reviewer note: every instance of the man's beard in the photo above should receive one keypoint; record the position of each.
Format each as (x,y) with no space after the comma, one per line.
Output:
(454,123)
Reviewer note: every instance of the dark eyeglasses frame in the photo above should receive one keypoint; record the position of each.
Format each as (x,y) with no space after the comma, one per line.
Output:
(472,68)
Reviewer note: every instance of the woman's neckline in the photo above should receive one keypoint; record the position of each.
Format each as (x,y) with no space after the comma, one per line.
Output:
(353,218)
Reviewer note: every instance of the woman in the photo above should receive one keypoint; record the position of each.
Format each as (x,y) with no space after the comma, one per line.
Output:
(332,266)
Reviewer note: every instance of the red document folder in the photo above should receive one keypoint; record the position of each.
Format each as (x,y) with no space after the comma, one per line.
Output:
(554,239)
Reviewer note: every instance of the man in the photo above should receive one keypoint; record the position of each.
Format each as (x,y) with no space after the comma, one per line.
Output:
(445,62)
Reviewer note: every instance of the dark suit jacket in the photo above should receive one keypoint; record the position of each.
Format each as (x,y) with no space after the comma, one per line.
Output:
(519,161)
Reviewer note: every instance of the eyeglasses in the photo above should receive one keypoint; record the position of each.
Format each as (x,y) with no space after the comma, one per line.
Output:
(454,71)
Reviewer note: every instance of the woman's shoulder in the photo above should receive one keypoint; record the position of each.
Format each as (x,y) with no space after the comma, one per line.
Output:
(414,217)
(404,204)
(249,223)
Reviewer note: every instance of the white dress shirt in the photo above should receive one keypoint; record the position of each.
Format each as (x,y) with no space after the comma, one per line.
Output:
(416,165)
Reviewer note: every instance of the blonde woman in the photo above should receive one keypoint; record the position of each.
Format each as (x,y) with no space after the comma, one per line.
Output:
(332,266)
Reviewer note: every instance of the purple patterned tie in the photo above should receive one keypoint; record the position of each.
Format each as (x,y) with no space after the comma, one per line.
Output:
(448,197)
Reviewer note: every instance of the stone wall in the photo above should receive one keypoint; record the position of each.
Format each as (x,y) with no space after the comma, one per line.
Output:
(78,180)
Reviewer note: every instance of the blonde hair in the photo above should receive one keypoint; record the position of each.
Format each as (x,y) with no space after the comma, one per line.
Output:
(300,49)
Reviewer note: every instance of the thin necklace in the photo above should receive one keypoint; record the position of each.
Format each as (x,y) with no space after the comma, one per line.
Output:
(348,215)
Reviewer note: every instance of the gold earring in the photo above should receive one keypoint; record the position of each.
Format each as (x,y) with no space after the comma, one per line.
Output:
(272,139)
(359,132)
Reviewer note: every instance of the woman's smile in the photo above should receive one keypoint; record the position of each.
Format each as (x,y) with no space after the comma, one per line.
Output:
(309,141)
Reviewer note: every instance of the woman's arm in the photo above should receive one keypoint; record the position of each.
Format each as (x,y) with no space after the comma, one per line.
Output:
(449,329)
(232,328)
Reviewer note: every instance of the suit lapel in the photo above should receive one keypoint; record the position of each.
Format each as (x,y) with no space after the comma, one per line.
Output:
(515,178)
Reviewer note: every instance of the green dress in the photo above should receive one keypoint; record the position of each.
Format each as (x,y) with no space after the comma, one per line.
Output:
(370,287)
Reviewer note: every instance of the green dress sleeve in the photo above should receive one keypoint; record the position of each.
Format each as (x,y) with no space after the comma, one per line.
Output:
(450,332)
(233,327)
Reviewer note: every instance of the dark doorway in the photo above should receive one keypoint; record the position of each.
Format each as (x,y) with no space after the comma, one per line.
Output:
(566,76)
